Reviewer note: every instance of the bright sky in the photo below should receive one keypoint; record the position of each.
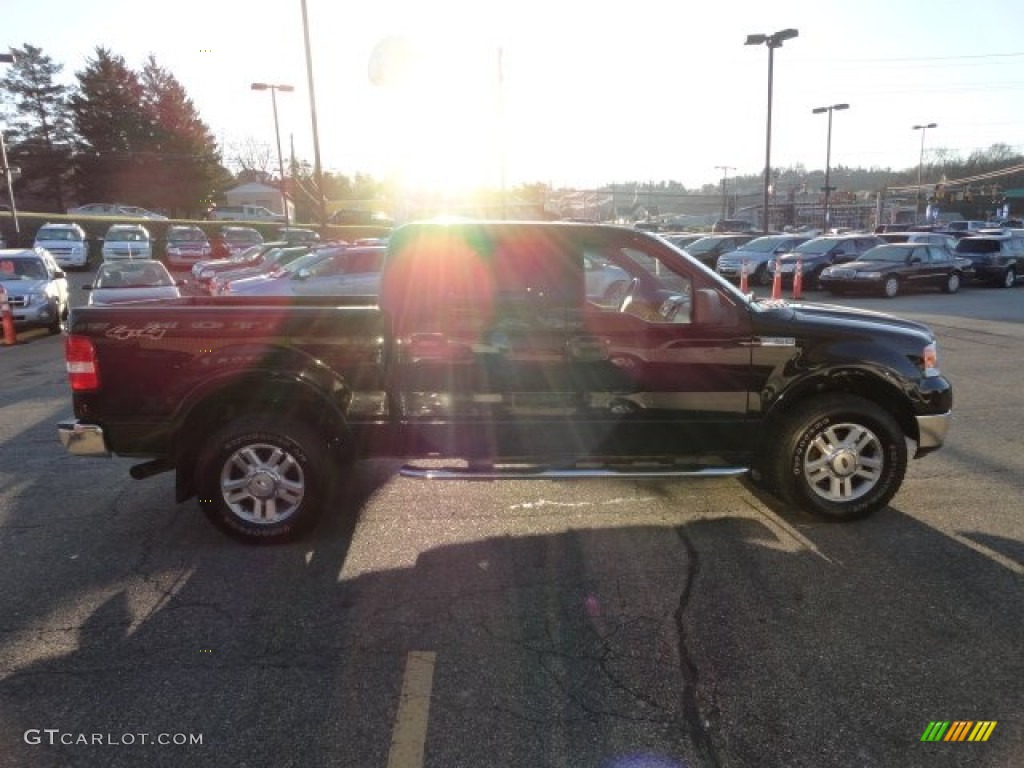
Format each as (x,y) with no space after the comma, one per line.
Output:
(594,91)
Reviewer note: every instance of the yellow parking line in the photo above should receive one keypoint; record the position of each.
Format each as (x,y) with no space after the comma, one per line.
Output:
(410,733)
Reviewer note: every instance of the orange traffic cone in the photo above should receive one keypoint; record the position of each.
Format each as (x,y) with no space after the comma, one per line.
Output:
(10,336)
(798,280)
(744,288)
(777,281)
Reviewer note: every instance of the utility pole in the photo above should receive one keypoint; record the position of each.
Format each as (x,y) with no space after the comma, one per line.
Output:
(725,172)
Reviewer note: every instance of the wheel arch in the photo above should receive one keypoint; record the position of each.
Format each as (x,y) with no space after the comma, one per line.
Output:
(222,401)
(868,384)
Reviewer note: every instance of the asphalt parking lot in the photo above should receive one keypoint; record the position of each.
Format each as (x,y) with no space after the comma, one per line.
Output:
(615,624)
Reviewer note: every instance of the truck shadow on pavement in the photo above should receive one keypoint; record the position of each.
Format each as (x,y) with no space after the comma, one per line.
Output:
(721,641)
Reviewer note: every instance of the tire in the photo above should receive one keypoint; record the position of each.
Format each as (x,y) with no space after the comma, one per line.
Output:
(57,325)
(839,457)
(1009,278)
(952,284)
(891,287)
(761,276)
(262,480)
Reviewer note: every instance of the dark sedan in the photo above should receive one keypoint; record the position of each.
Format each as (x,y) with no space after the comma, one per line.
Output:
(708,249)
(896,268)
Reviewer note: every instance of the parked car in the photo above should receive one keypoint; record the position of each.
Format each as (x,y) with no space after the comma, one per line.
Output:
(37,288)
(896,268)
(605,283)
(709,248)
(115,209)
(997,259)
(67,243)
(821,252)
(118,282)
(327,272)
(682,239)
(298,236)
(968,226)
(757,253)
(186,245)
(127,241)
(271,260)
(205,270)
(733,225)
(237,239)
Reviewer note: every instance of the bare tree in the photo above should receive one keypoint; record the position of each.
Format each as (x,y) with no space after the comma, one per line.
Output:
(251,160)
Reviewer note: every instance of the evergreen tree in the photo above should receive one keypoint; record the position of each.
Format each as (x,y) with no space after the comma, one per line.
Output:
(113,132)
(41,131)
(183,160)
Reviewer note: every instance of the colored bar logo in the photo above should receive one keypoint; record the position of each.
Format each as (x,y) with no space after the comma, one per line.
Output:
(958,730)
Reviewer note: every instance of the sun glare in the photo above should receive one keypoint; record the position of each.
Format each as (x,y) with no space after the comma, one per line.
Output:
(441,98)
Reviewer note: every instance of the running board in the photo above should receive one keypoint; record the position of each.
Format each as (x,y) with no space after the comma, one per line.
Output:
(547,473)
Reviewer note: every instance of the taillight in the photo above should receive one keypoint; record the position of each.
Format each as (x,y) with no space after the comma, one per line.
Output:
(83,371)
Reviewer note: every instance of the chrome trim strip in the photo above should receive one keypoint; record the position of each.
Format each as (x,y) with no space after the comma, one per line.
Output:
(82,439)
(545,473)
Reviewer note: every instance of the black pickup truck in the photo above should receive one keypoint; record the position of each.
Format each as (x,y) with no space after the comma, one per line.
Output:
(490,352)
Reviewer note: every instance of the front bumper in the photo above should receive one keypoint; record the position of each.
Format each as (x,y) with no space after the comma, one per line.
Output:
(34,315)
(82,439)
(931,432)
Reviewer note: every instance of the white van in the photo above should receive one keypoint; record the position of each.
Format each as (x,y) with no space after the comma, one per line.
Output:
(65,242)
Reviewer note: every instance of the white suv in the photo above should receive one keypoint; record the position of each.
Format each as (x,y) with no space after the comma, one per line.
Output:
(127,241)
(65,242)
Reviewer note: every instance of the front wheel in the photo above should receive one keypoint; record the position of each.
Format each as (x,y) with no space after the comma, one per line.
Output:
(891,287)
(1009,278)
(839,457)
(261,479)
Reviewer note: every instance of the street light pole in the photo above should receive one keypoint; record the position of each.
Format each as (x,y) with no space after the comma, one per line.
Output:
(5,169)
(318,174)
(920,165)
(828,156)
(277,133)
(773,41)
(725,172)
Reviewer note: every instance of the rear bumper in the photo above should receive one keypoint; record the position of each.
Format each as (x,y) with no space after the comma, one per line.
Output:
(82,439)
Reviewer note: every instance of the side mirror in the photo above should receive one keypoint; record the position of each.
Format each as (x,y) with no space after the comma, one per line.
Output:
(87,287)
(914,260)
(59,274)
(303,274)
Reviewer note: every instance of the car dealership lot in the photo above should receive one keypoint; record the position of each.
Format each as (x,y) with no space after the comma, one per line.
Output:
(583,623)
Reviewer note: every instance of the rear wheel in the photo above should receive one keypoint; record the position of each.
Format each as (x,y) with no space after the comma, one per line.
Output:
(839,457)
(761,276)
(261,479)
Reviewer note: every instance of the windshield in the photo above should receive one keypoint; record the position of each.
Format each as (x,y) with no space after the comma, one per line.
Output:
(22,269)
(132,275)
(58,234)
(763,244)
(126,236)
(815,246)
(186,235)
(886,253)
(704,245)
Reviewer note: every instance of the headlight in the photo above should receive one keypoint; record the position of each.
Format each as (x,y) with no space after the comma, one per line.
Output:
(39,297)
(206,274)
(869,275)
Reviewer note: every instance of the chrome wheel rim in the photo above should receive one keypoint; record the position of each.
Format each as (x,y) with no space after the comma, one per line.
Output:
(262,484)
(844,462)
(1010,278)
(954,283)
(892,287)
